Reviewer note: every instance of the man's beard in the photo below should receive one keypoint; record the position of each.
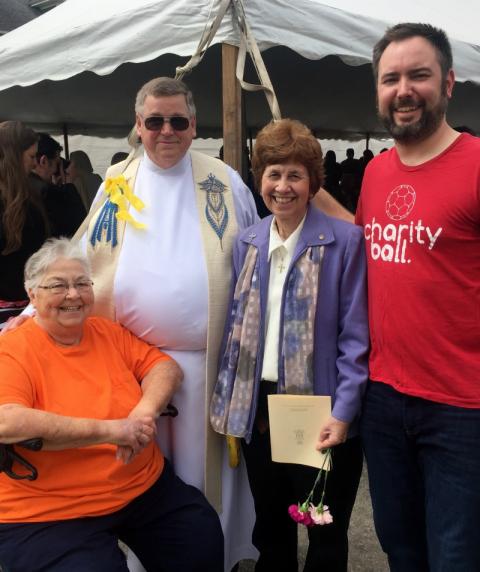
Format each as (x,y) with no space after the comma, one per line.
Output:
(428,123)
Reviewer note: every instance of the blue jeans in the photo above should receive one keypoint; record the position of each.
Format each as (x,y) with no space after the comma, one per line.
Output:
(423,462)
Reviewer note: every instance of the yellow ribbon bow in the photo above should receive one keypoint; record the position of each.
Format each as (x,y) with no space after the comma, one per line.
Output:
(120,194)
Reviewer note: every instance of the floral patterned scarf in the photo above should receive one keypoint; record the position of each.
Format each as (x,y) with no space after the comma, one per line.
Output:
(231,406)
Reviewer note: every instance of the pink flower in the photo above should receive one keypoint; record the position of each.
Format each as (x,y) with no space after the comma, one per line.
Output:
(300,514)
(307,513)
(320,514)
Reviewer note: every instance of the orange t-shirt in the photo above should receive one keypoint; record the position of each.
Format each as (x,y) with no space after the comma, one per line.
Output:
(99,378)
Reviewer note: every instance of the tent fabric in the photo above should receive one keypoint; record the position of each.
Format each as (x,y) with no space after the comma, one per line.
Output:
(81,63)
(455,18)
(14,13)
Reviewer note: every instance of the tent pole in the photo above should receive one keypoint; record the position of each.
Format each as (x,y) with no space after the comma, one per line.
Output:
(232,109)
(65,140)
(367,142)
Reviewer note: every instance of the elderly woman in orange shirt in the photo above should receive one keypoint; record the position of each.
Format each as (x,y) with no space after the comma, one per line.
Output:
(91,391)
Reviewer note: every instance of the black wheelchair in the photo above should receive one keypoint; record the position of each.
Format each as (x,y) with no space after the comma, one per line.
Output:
(14,465)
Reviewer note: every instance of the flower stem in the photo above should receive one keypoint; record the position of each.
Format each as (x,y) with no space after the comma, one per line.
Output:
(326,462)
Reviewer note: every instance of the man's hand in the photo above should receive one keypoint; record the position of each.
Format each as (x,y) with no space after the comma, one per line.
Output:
(332,433)
(13,323)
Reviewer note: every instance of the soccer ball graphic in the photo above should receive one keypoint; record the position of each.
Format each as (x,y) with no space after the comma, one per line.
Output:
(400,202)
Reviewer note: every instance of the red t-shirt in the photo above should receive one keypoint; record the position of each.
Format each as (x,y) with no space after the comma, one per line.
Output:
(422,235)
(99,378)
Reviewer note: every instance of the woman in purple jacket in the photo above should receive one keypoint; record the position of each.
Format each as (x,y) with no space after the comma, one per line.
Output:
(298,324)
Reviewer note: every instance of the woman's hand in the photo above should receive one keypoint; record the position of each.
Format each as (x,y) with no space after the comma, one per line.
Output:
(158,387)
(332,433)
(59,432)
(132,435)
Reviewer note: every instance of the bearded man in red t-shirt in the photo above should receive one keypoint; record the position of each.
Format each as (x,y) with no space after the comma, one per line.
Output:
(420,209)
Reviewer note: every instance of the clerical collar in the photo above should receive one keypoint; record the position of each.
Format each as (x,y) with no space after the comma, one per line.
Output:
(184,162)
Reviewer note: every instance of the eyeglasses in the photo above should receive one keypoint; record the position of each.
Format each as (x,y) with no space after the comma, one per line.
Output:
(177,122)
(81,287)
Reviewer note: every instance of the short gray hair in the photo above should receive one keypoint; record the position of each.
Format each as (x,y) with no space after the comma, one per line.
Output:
(52,249)
(164,87)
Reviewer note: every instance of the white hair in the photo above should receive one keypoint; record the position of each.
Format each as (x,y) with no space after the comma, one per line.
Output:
(52,249)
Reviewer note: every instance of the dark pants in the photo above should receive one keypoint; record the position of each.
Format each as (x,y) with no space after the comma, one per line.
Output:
(423,463)
(170,527)
(275,486)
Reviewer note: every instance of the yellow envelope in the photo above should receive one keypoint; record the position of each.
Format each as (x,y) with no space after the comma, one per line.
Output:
(295,422)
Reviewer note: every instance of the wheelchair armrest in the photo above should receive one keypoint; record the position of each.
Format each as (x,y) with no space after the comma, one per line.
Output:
(33,444)
(8,456)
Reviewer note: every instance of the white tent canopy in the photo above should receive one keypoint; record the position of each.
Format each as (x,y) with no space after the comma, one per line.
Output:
(81,64)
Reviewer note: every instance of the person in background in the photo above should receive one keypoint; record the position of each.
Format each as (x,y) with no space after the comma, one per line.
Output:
(420,210)
(465,129)
(60,176)
(350,180)
(297,324)
(80,173)
(23,220)
(118,157)
(91,391)
(365,159)
(63,204)
(47,158)
(333,173)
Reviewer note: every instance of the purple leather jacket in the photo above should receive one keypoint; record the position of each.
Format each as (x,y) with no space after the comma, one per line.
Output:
(341,340)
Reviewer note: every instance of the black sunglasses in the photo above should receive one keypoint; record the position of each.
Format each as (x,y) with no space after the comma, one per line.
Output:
(177,122)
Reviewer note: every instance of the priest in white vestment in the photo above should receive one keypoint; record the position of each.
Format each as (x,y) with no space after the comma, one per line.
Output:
(169,283)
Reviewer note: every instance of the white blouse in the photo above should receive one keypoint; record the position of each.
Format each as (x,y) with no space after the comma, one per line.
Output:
(280,254)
